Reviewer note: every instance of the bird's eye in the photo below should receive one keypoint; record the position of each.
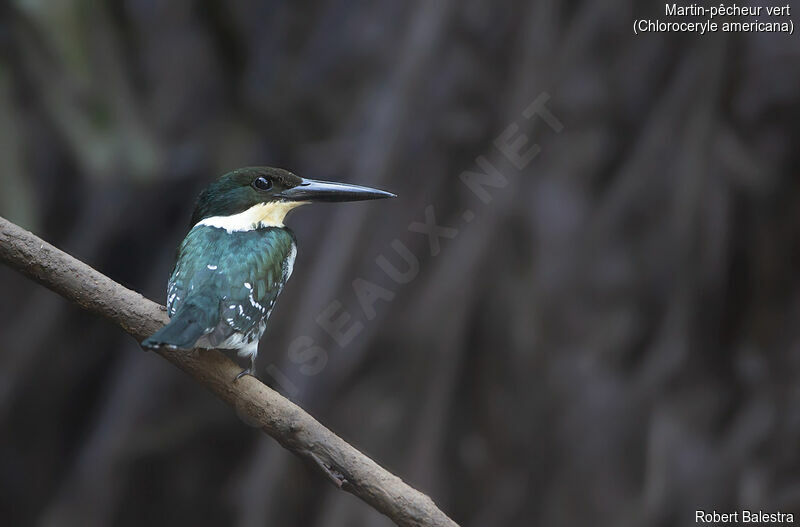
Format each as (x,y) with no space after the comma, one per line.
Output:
(262,183)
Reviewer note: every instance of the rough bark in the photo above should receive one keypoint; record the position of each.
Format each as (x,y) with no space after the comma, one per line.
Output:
(254,402)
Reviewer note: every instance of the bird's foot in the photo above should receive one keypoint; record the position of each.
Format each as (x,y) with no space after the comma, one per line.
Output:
(246,371)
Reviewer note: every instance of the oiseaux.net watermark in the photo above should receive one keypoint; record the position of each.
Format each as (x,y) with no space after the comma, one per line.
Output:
(399,263)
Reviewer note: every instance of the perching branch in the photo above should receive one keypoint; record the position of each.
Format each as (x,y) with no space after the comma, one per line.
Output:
(254,402)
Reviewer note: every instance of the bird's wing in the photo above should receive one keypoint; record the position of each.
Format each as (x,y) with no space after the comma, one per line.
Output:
(237,275)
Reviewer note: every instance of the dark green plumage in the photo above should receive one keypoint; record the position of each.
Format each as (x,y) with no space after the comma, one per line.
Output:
(234,193)
(237,257)
(225,285)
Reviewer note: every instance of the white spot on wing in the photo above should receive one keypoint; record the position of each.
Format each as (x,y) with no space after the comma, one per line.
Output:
(288,264)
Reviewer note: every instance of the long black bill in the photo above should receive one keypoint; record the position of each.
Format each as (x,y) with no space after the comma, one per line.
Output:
(313,190)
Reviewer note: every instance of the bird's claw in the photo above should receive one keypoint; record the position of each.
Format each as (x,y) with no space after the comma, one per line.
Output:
(246,371)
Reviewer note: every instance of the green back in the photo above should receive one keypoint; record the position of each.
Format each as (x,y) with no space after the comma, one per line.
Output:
(235,277)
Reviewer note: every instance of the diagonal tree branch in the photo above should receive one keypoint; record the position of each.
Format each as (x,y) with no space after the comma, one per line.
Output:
(253,401)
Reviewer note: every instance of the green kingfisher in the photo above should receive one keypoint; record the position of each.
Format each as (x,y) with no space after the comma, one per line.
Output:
(238,255)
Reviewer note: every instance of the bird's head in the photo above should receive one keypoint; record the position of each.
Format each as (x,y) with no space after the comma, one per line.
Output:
(253,197)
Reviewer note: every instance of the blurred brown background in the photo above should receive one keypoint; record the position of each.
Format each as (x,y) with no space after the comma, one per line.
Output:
(612,340)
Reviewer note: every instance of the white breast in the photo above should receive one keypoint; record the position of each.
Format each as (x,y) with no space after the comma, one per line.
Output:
(288,264)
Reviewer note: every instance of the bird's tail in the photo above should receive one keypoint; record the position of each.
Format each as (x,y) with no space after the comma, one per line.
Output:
(187,326)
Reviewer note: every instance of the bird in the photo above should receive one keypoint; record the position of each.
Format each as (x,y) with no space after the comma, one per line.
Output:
(236,258)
